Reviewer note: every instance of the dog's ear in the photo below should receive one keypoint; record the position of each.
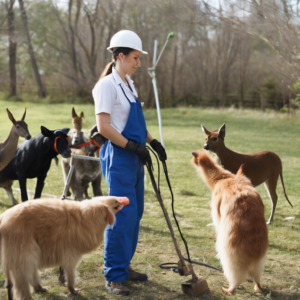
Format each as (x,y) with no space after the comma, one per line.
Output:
(110,217)
(240,172)
(81,115)
(46,132)
(198,157)
(195,154)
(221,132)
(206,132)
(74,115)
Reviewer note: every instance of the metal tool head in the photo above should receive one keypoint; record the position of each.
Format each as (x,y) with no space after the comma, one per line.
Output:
(195,287)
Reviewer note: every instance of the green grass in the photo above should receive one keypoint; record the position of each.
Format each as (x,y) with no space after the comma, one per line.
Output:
(247,132)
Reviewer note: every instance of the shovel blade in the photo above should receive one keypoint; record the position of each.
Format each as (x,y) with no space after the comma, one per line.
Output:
(195,287)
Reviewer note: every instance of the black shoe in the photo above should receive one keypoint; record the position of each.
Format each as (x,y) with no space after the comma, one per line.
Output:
(135,276)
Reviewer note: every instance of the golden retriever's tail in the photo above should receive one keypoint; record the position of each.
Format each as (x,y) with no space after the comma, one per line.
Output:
(282,184)
(209,170)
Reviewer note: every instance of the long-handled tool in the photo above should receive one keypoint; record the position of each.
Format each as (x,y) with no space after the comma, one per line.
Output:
(151,72)
(194,286)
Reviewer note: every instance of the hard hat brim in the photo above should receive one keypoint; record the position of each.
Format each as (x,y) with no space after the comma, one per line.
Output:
(110,49)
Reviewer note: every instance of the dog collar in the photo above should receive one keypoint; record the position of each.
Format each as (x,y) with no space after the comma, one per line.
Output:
(88,143)
(55,142)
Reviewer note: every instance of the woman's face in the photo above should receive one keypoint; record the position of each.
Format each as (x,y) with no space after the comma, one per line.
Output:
(130,62)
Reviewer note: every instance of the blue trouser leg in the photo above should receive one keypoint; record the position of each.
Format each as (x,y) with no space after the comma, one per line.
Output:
(119,237)
(122,174)
(139,190)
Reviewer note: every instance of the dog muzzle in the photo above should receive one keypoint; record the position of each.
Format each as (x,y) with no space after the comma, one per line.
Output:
(206,147)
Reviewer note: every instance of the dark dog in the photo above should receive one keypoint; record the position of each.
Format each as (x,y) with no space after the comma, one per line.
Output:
(33,159)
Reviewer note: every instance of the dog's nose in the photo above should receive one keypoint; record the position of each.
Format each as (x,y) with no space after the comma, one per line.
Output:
(67,153)
(206,147)
(28,137)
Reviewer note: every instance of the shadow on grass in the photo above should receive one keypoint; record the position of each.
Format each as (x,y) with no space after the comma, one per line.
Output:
(55,296)
(154,290)
(283,296)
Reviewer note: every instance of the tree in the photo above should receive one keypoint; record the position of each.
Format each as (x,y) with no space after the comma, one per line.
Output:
(41,88)
(12,48)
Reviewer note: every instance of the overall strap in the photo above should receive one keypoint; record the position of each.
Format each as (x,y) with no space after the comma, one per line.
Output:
(125,94)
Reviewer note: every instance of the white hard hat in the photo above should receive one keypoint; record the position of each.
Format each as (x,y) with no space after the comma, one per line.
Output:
(126,39)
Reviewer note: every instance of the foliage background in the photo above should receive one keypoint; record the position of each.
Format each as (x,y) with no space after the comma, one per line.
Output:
(223,53)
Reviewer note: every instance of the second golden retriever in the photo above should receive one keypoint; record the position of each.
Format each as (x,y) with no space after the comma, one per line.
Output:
(238,216)
(47,233)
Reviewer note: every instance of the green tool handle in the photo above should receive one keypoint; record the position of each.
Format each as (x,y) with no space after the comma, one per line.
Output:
(170,35)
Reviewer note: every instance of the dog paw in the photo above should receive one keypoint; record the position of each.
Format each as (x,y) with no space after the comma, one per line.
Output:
(76,292)
(258,288)
(40,289)
(227,292)
(73,291)
(62,279)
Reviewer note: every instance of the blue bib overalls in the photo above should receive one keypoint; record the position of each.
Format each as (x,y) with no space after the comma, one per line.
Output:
(124,174)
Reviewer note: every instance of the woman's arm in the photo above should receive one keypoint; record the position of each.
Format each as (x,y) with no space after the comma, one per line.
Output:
(149,137)
(108,131)
(118,139)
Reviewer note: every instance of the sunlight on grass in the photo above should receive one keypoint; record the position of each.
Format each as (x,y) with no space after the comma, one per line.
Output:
(247,132)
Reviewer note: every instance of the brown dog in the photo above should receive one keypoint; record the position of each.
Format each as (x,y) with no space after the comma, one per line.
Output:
(238,216)
(47,233)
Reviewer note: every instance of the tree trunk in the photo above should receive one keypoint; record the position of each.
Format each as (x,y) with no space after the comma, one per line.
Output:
(241,95)
(12,51)
(263,102)
(41,91)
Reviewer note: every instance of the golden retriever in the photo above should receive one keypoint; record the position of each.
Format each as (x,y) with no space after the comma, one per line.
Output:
(50,232)
(238,217)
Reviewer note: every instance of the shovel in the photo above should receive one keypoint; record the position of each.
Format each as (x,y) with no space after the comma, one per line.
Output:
(194,286)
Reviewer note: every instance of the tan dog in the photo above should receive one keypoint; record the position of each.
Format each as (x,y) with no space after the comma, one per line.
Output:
(238,216)
(261,167)
(47,233)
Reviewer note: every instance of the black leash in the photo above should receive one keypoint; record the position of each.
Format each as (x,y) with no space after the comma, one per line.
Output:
(172,266)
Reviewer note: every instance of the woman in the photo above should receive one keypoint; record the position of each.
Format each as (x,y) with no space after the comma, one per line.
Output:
(120,119)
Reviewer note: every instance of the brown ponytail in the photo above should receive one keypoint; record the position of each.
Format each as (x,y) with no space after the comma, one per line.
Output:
(108,69)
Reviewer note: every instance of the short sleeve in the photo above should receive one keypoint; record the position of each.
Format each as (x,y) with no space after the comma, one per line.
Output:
(104,95)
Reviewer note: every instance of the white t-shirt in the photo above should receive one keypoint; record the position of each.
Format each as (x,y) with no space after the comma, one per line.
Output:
(109,98)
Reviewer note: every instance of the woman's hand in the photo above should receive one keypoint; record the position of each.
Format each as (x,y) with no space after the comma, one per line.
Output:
(159,149)
(140,150)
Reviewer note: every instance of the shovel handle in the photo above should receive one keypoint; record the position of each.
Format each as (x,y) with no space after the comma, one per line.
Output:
(166,216)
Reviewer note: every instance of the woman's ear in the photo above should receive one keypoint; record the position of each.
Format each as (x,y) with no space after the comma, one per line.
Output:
(121,57)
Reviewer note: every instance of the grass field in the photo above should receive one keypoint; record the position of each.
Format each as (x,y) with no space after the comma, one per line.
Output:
(247,132)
